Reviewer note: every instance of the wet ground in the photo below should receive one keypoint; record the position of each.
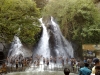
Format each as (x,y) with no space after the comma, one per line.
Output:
(40,73)
(36,71)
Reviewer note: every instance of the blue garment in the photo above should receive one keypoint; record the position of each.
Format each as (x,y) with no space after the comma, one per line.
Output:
(84,71)
(85,61)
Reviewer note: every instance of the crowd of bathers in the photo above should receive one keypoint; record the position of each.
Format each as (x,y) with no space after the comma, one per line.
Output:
(90,65)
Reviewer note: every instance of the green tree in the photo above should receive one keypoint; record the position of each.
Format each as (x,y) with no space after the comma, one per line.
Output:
(15,14)
(77,18)
(41,3)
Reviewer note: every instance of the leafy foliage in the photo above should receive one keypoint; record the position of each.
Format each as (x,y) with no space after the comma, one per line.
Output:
(41,3)
(15,14)
(79,19)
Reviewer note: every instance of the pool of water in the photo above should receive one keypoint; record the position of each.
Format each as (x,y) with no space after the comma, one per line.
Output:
(37,73)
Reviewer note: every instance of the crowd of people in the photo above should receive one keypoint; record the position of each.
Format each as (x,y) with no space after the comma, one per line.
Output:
(86,70)
(91,66)
(37,60)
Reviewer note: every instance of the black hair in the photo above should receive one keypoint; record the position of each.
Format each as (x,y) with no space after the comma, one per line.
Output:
(96,60)
(66,71)
(86,64)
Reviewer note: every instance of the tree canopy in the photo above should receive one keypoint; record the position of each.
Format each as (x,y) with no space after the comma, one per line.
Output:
(41,3)
(79,19)
(19,14)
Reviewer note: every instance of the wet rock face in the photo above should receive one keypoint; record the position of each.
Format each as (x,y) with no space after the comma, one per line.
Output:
(52,44)
(47,21)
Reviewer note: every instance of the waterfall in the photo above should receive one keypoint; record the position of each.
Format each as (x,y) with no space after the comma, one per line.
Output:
(61,47)
(15,49)
(43,45)
(51,44)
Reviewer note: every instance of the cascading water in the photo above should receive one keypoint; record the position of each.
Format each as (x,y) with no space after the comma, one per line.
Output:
(15,48)
(61,46)
(18,50)
(43,46)
(52,43)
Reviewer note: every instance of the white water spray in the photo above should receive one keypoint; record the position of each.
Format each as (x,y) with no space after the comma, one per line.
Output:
(15,48)
(43,46)
(63,47)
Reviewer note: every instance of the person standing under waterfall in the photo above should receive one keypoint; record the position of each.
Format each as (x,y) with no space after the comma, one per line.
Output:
(38,60)
(43,60)
(73,64)
(7,60)
(55,60)
(22,64)
(34,63)
(16,65)
(30,61)
(66,60)
(50,59)
(78,65)
(47,61)
(19,61)
(12,63)
(25,62)
(62,61)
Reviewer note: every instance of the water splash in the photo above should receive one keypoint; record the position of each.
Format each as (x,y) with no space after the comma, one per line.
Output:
(62,46)
(43,46)
(15,49)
